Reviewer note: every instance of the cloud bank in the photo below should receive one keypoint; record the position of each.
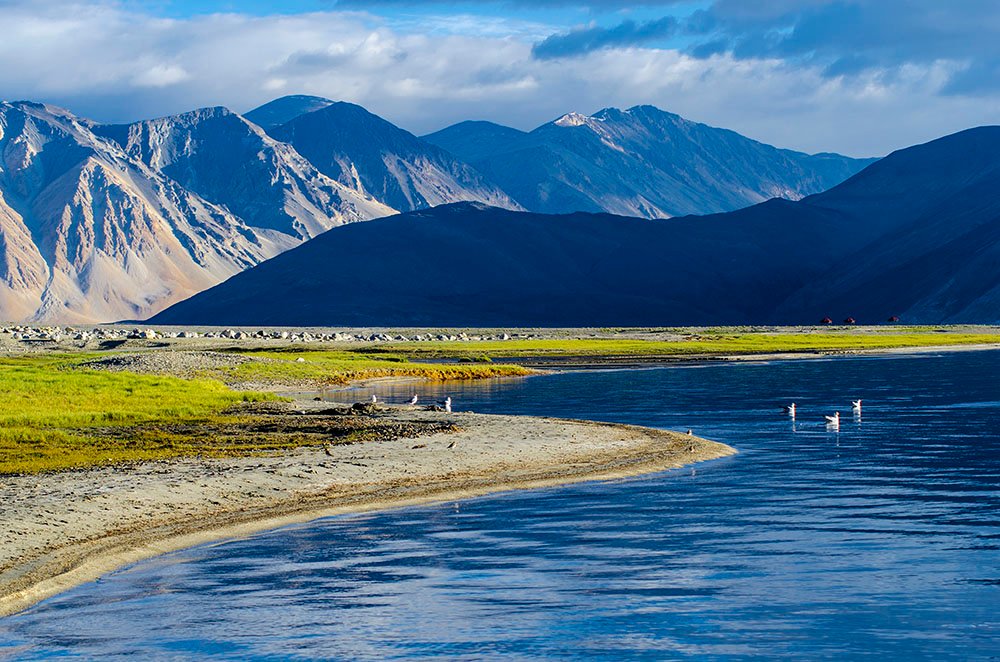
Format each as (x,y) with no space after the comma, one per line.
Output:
(585,40)
(814,75)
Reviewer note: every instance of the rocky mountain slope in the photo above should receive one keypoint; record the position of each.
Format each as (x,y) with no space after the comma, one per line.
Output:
(363,151)
(639,162)
(229,161)
(92,229)
(916,235)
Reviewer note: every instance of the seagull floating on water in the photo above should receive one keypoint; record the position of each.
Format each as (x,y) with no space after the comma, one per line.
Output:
(833,421)
(856,406)
(790,410)
(413,400)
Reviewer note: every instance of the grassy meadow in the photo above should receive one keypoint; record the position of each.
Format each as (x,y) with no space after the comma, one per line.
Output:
(324,366)
(57,414)
(54,415)
(704,343)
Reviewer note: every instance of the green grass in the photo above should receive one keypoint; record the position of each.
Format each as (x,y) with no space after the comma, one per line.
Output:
(703,343)
(340,367)
(56,416)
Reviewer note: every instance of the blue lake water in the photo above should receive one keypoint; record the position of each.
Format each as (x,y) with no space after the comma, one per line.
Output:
(880,541)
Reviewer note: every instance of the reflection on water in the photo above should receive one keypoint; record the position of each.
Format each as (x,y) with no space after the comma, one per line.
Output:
(428,393)
(879,540)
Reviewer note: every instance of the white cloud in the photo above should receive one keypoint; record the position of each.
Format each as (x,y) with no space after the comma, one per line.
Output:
(161,75)
(115,65)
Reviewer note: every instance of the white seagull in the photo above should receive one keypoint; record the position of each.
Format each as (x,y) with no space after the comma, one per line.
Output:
(790,410)
(856,406)
(413,400)
(374,399)
(447,404)
(833,421)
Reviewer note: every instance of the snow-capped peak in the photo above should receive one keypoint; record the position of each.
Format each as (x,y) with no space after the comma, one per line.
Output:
(573,119)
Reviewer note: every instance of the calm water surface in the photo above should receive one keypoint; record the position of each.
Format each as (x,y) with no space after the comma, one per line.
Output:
(877,542)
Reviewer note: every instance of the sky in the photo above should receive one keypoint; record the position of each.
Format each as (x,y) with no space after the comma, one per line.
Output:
(859,77)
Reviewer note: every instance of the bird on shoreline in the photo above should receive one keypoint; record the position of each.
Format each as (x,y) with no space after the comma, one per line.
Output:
(413,400)
(374,399)
(447,404)
(833,421)
(790,410)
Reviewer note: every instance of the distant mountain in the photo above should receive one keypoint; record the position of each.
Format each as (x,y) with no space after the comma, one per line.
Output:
(476,140)
(229,161)
(285,109)
(640,162)
(106,223)
(363,151)
(916,234)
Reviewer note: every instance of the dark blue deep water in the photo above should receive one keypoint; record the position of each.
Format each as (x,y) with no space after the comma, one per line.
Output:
(877,542)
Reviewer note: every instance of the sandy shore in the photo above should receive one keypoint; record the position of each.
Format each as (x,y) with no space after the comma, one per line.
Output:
(61,530)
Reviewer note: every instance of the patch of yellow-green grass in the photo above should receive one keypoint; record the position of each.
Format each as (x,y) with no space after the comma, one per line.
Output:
(56,416)
(702,343)
(340,367)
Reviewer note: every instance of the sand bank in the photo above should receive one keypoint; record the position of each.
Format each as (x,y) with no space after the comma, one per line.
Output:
(61,530)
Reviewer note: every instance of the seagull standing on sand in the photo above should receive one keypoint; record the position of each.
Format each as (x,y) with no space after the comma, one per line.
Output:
(790,410)
(374,399)
(413,400)
(447,404)
(833,421)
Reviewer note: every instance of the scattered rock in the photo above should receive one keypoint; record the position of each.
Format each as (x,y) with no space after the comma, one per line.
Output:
(367,408)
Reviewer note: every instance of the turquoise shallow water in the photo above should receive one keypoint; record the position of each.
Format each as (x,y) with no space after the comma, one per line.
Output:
(881,541)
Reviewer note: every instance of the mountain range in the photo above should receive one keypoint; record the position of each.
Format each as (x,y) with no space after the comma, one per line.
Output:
(91,232)
(365,152)
(107,222)
(914,235)
(639,162)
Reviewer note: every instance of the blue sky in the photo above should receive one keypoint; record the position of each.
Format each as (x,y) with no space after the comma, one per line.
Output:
(860,77)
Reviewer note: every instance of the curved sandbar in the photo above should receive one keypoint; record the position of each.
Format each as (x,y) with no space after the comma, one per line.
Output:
(61,530)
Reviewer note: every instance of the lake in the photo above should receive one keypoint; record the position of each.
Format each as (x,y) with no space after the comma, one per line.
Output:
(877,541)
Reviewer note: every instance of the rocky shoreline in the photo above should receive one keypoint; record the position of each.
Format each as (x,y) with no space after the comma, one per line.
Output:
(56,335)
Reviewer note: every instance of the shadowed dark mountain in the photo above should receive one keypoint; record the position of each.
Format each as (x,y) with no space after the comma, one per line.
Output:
(925,229)
(639,162)
(916,235)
